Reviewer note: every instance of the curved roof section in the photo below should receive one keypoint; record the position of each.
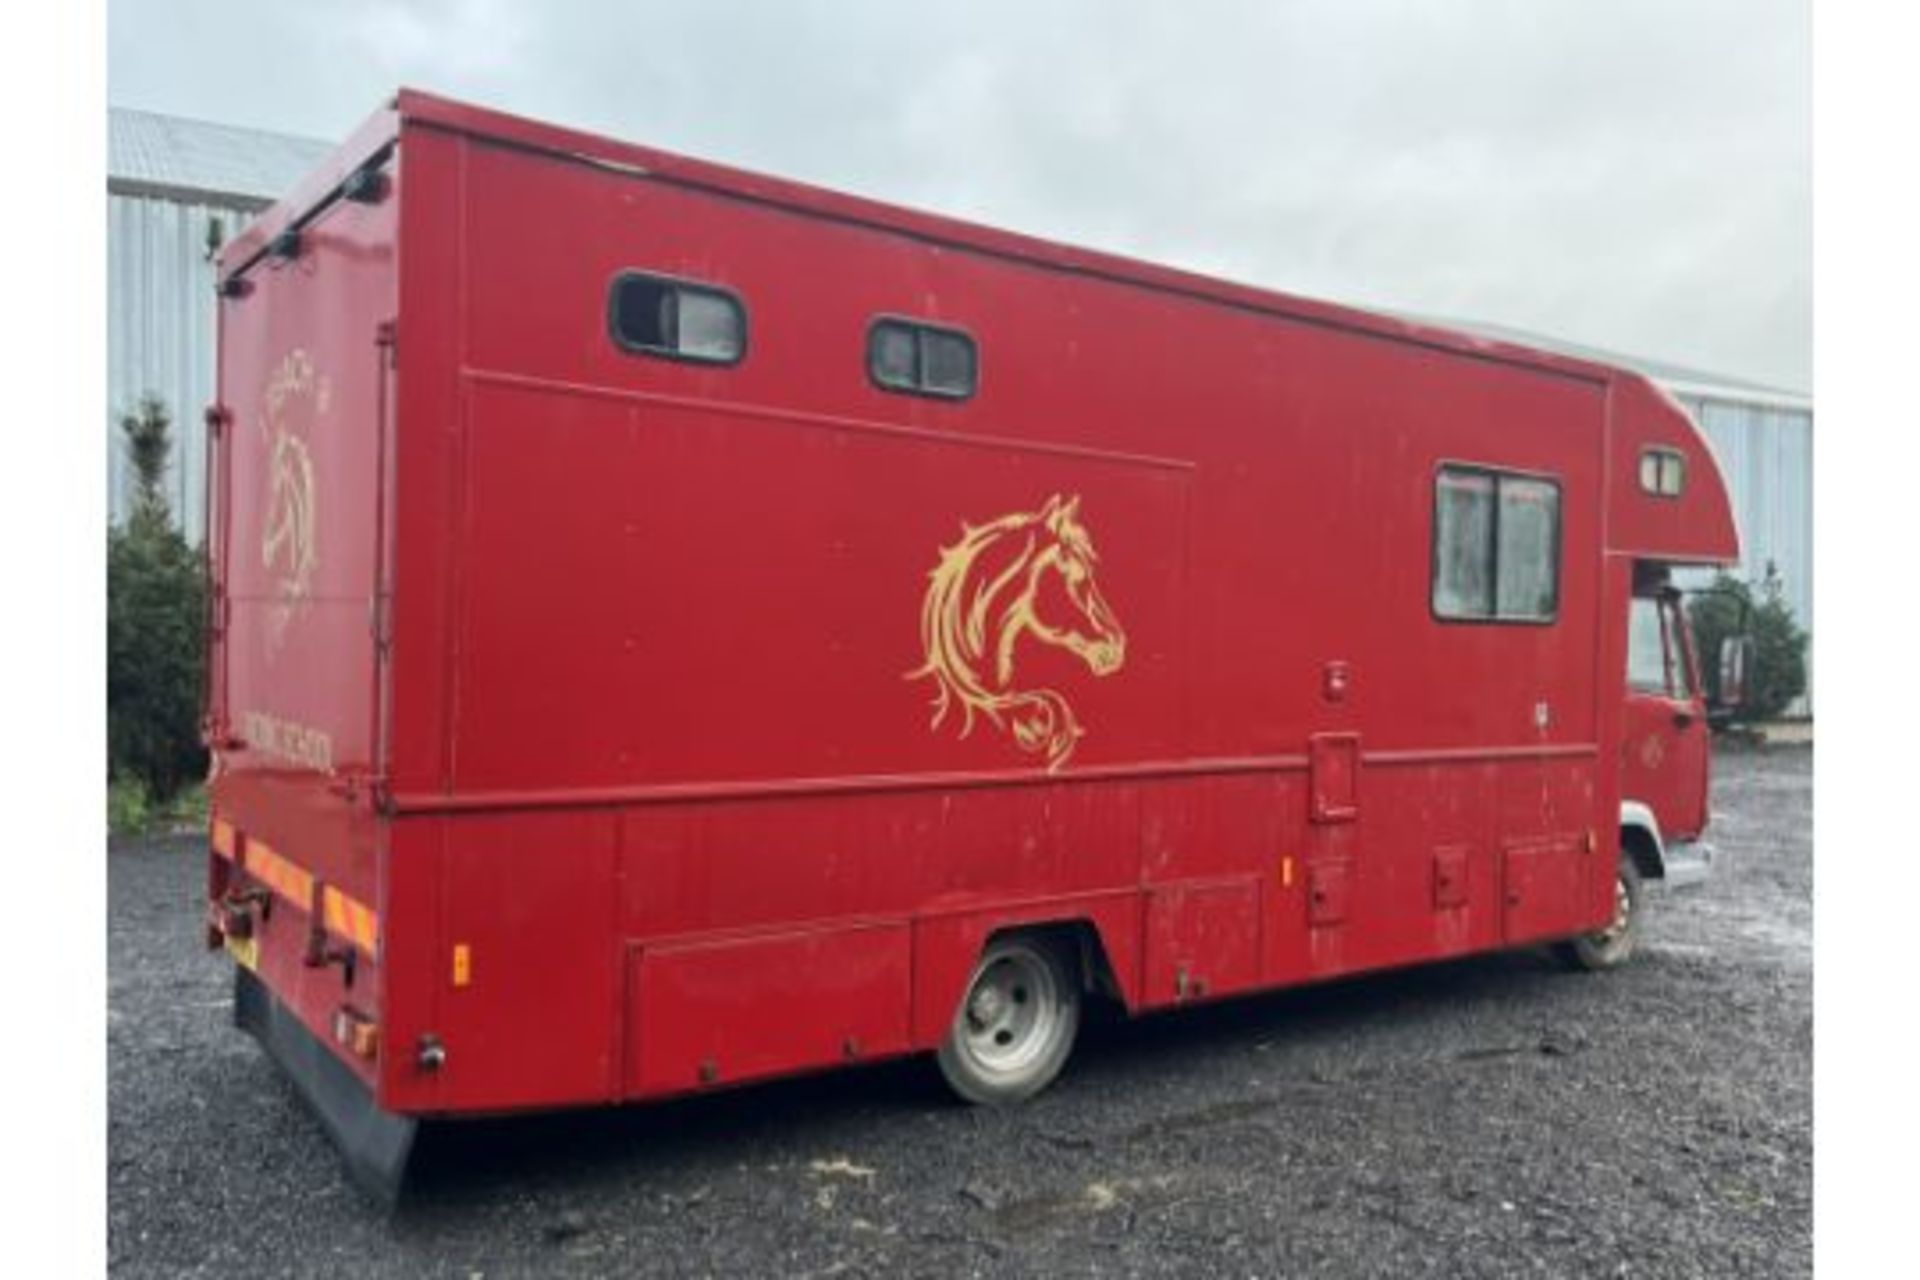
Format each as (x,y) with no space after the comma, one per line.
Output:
(1678,378)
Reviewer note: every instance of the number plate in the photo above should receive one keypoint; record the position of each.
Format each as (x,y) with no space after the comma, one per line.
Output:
(246,951)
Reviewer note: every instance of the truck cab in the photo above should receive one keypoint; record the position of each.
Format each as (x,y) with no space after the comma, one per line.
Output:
(1664,737)
(1671,514)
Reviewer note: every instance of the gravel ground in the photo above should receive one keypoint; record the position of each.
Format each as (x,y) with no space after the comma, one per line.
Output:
(1492,1117)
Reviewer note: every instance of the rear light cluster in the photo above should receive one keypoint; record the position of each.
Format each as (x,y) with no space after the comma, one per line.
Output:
(356,1032)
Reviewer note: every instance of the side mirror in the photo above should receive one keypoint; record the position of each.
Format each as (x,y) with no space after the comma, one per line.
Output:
(1736,662)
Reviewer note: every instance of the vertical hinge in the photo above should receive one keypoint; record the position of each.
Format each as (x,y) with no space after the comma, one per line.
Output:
(382,621)
(386,335)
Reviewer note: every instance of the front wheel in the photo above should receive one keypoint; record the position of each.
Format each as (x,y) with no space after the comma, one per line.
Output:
(1016,1022)
(1611,947)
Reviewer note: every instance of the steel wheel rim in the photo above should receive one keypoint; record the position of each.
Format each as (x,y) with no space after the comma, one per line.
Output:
(1622,913)
(1011,1016)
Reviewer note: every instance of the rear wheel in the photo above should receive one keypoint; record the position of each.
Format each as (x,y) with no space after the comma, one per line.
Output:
(1611,947)
(1016,1022)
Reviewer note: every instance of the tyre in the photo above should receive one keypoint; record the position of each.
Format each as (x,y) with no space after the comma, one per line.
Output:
(1611,947)
(1016,1022)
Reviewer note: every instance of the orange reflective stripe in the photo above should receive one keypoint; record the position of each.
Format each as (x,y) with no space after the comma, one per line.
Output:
(223,838)
(285,878)
(342,915)
(351,919)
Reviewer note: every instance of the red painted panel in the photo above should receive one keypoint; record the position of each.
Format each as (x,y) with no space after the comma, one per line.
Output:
(1543,885)
(1546,797)
(1450,872)
(531,895)
(1218,826)
(1328,886)
(416,965)
(1696,526)
(736,1009)
(1203,940)
(1334,765)
(749,627)
(1453,913)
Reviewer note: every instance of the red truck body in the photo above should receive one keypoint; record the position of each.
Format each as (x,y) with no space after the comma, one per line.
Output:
(592,726)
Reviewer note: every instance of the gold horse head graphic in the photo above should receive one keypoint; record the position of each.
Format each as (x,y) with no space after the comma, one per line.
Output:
(295,394)
(984,596)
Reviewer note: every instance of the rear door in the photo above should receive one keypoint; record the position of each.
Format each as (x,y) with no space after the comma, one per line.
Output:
(305,390)
(1664,752)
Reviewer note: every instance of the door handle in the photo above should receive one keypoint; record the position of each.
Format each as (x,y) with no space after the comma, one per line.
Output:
(1682,719)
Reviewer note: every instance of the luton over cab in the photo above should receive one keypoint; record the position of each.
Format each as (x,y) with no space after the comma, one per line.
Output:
(674,627)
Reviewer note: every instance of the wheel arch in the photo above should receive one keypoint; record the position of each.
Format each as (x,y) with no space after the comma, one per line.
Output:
(1103,934)
(1640,840)
(1080,939)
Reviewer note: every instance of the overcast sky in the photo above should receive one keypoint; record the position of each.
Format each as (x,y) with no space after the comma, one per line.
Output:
(1633,174)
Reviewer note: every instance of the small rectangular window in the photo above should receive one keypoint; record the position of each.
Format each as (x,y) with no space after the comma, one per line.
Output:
(1663,472)
(1496,546)
(922,359)
(678,319)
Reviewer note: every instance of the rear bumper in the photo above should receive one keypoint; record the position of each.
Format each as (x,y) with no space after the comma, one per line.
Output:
(1688,863)
(375,1143)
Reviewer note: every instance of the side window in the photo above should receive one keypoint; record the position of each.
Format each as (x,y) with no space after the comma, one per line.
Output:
(1663,472)
(1527,563)
(922,359)
(1463,544)
(677,319)
(1680,681)
(1646,647)
(1496,546)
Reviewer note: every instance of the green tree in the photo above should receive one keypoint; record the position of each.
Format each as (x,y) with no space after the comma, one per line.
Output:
(1779,670)
(156,596)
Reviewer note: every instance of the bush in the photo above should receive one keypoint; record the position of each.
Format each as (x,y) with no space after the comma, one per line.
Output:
(128,811)
(1779,672)
(156,596)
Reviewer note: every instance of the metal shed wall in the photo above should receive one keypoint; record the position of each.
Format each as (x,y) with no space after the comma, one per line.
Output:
(160,337)
(1765,451)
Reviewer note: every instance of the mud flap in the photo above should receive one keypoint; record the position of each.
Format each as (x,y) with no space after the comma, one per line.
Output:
(375,1143)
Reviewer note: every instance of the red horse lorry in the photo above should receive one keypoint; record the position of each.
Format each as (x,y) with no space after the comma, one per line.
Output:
(674,627)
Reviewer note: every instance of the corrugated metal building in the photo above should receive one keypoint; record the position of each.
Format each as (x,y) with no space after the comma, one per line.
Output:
(174,188)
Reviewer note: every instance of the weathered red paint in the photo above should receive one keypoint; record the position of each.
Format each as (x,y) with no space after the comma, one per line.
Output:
(607,673)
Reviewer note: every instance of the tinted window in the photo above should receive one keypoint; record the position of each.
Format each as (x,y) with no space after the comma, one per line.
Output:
(1496,546)
(661,316)
(894,356)
(922,359)
(946,361)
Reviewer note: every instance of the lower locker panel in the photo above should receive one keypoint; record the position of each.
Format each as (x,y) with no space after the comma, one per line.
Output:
(713,1012)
